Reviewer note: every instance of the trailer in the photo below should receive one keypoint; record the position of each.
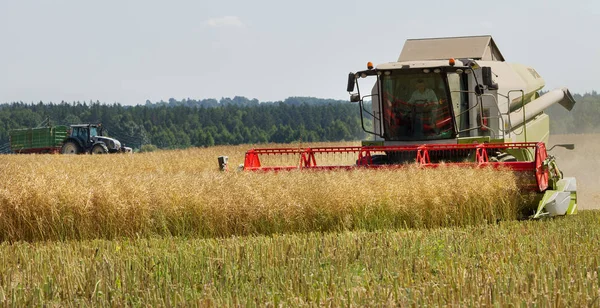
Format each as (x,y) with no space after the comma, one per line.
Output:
(38,140)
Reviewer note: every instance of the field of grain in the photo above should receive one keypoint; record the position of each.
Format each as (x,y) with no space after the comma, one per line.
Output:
(181,193)
(168,229)
(548,263)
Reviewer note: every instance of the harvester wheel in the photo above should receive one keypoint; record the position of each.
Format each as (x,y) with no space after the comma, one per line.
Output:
(100,149)
(505,157)
(70,147)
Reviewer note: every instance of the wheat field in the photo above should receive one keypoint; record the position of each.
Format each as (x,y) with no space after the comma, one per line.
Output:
(167,229)
(548,263)
(181,193)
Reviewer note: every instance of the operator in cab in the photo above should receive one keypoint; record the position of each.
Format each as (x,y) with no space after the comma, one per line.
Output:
(422,95)
(423,99)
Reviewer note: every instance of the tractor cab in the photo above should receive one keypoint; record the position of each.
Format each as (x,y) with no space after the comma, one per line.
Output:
(85,133)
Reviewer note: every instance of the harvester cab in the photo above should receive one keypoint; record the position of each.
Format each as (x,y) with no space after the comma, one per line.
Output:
(89,138)
(454,90)
(452,101)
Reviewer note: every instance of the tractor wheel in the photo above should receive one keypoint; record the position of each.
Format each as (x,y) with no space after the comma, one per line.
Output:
(70,147)
(100,149)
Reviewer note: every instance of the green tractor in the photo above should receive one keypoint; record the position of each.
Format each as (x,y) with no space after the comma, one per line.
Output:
(88,138)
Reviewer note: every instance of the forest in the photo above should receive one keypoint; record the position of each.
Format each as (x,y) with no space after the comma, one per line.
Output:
(207,122)
(191,123)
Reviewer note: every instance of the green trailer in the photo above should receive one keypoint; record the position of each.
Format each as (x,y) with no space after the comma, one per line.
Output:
(38,140)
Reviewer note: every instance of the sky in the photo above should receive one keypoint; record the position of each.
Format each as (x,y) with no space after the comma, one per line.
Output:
(130,51)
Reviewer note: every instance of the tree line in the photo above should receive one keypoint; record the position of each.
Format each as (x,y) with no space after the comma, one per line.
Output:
(186,123)
(583,119)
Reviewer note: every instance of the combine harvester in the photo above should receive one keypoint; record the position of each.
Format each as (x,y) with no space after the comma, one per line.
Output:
(451,101)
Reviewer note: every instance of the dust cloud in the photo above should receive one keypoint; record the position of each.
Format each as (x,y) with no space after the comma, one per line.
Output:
(583,163)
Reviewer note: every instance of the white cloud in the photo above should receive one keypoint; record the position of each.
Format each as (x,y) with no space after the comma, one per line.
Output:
(225,21)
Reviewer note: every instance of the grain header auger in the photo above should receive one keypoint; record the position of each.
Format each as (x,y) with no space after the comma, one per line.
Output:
(453,101)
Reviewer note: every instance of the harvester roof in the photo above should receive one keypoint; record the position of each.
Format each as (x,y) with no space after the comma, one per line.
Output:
(470,47)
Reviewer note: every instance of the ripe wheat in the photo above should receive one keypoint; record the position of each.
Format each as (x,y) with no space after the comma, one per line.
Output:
(60,197)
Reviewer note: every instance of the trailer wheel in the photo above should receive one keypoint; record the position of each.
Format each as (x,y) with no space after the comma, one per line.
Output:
(70,147)
(100,149)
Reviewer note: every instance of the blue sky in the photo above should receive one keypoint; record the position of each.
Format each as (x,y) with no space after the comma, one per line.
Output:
(131,51)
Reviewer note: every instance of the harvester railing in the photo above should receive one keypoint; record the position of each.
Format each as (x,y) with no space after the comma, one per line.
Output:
(509,128)
(376,118)
(522,107)
(481,123)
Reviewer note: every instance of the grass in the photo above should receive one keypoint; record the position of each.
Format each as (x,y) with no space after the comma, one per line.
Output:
(512,263)
(181,193)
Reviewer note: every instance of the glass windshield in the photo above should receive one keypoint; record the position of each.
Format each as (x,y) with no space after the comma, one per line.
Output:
(93,131)
(415,106)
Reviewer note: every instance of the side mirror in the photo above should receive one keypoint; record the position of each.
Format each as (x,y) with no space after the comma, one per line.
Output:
(486,73)
(351,82)
(354,98)
(479,89)
(568,146)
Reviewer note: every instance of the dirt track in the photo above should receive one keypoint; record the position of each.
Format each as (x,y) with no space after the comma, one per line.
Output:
(583,163)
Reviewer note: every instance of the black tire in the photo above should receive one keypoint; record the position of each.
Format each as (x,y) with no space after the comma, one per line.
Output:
(70,147)
(505,157)
(100,148)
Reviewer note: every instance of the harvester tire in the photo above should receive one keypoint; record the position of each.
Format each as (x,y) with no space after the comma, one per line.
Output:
(505,157)
(70,147)
(100,149)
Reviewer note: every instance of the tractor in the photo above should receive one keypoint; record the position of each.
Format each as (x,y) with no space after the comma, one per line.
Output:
(88,138)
